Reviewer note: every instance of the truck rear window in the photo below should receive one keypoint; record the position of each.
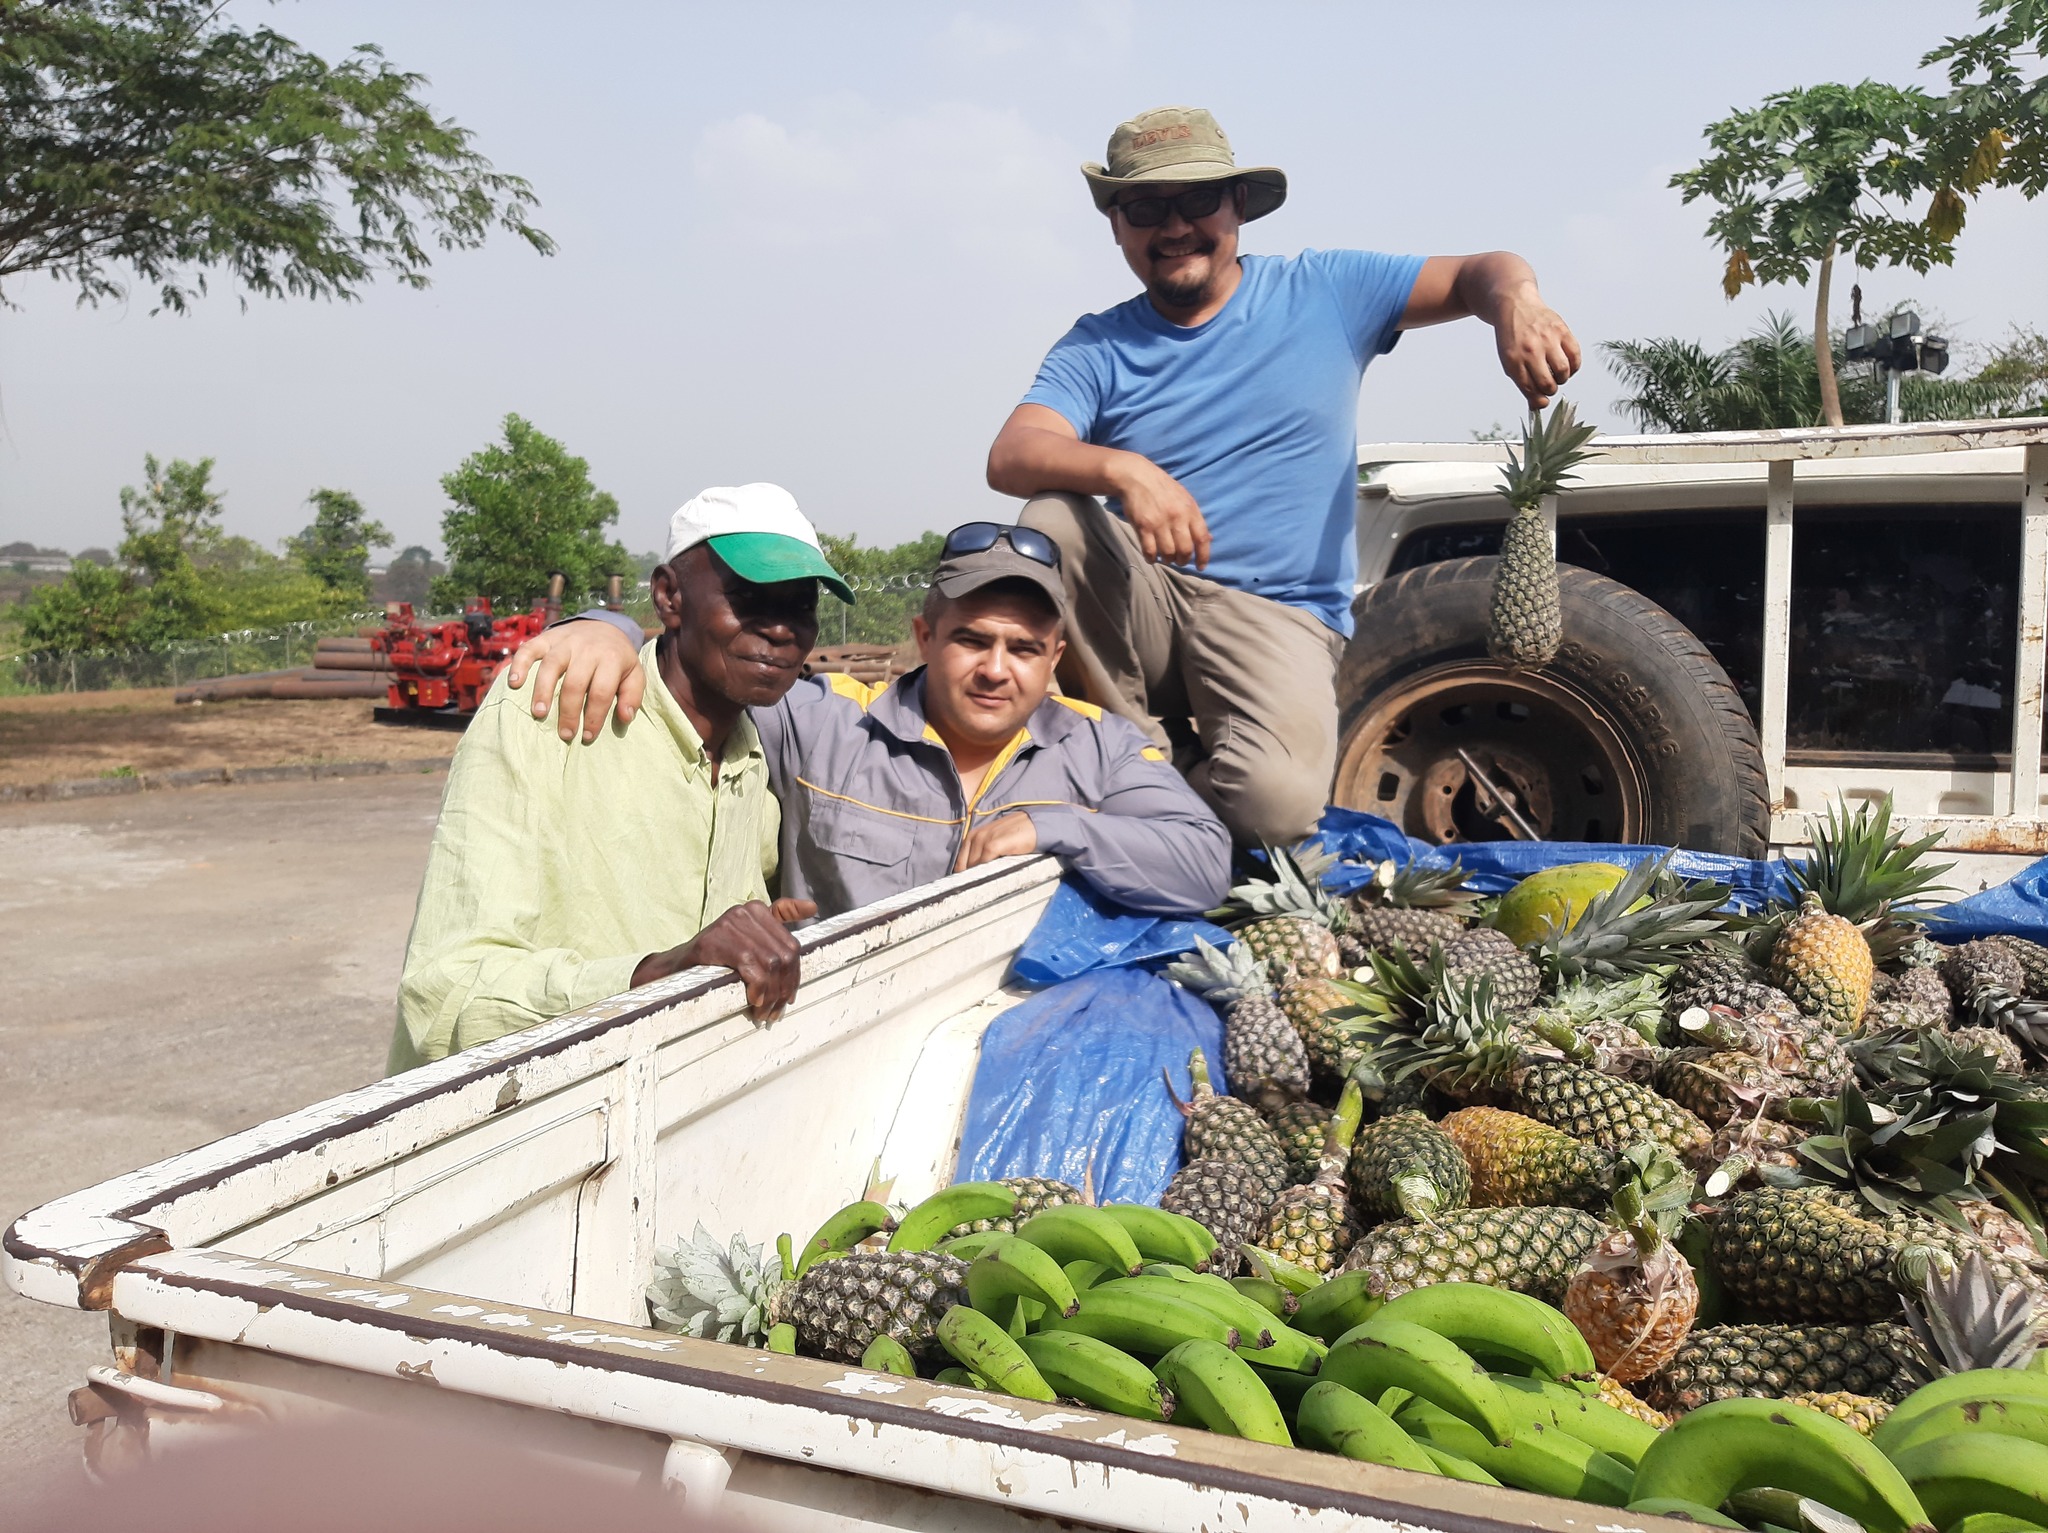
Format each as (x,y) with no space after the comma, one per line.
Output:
(1902,618)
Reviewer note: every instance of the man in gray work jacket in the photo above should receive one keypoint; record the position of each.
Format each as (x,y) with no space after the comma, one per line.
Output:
(965,760)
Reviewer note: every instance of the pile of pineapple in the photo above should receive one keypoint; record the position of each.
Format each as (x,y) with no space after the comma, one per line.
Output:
(1728,1146)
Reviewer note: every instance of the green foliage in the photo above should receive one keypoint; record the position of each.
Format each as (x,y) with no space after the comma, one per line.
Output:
(522,511)
(1769,379)
(156,136)
(1807,173)
(410,576)
(335,549)
(1992,129)
(179,576)
(889,581)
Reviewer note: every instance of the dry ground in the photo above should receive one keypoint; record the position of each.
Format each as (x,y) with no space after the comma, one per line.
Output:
(68,736)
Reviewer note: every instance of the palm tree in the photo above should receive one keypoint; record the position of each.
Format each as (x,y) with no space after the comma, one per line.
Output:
(1768,379)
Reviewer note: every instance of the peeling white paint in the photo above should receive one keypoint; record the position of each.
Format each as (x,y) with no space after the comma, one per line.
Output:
(374,1297)
(603,1338)
(863,1384)
(1159,1444)
(989,1413)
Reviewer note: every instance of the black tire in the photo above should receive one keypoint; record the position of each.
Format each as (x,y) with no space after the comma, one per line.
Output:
(1634,732)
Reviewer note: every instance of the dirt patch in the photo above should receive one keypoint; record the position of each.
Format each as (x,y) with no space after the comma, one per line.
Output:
(107,734)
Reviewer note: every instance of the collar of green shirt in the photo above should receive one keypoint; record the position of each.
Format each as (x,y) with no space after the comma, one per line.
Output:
(743,753)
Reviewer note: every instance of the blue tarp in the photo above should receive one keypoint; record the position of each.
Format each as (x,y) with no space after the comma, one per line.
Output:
(1081,932)
(1070,1085)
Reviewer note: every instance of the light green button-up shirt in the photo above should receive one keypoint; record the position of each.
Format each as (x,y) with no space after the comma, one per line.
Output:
(556,868)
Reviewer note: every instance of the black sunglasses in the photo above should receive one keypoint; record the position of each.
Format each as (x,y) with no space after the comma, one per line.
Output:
(980,537)
(1196,202)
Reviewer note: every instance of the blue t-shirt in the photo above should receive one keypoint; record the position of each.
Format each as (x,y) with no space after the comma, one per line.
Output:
(1255,412)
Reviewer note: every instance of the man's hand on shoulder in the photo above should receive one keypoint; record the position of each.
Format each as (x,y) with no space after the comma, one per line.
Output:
(752,941)
(594,664)
(1008,835)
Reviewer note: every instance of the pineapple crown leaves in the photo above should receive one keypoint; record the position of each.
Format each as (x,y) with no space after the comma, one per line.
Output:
(1862,866)
(1221,975)
(1410,886)
(1646,920)
(1295,889)
(1967,1320)
(1550,450)
(719,1293)
(1894,1160)
(1933,1077)
(1636,1002)
(1652,1196)
(1458,1035)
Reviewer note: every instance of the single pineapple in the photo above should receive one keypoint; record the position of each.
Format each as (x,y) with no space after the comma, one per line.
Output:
(2033,958)
(1864,870)
(838,1307)
(1792,1254)
(1913,998)
(1226,1128)
(1862,1412)
(1532,1250)
(1823,962)
(1411,907)
(2021,1271)
(1525,624)
(1635,1297)
(1035,1194)
(2000,1046)
(1720,1085)
(1776,1362)
(1301,1125)
(1515,1161)
(1517,981)
(1629,1404)
(1313,1225)
(1307,1000)
(1406,1167)
(1259,1043)
(1293,921)
(1722,977)
(1971,970)
(1227,1199)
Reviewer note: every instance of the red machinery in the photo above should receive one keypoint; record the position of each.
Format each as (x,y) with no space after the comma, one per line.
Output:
(441,671)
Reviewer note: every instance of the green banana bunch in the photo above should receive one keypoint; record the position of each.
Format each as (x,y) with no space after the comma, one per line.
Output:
(1336,1420)
(938,1215)
(1095,1373)
(1074,1232)
(1537,1402)
(1513,1332)
(885,1354)
(1966,1394)
(1534,1458)
(1387,1354)
(1973,1472)
(1269,1341)
(1219,1390)
(1163,1237)
(1688,1511)
(1011,1268)
(1731,1445)
(983,1347)
(842,1232)
(1151,1321)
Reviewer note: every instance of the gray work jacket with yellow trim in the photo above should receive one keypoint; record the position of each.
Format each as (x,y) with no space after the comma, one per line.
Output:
(872,804)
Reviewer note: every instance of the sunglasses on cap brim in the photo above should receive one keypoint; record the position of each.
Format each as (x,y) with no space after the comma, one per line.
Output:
(980,537)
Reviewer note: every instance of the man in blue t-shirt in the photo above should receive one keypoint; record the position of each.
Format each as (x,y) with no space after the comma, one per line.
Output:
(1216,415)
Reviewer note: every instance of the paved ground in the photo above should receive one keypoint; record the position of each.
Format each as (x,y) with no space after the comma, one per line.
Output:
(180,965)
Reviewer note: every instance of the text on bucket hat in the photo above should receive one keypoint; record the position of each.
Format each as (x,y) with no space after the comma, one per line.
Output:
(759,533)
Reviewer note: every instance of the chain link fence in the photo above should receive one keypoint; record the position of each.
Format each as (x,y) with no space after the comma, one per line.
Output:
(174,665)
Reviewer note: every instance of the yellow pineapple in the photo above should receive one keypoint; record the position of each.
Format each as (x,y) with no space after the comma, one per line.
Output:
(1823,962)
(1613,1392)
(1634,1297)
(1863,1412)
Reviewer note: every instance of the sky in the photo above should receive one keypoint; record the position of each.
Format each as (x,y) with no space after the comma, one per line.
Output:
(827,245)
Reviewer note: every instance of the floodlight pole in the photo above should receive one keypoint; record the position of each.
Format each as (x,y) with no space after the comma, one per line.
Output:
(1894,412)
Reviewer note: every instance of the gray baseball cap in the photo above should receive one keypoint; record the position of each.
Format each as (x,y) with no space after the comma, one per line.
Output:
(961,573)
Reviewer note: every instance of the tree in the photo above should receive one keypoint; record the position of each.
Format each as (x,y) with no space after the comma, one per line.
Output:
(521,512)
(890,583)
(1992,130)
(156,137)
(335,549)
(410,576)
(168,524)
(1807,176)
(92,608)
(1768,380)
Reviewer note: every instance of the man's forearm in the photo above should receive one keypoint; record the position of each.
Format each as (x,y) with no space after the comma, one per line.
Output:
(1489,285)
(1026,460)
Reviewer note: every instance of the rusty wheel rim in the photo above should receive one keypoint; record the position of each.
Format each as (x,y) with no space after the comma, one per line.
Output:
(1424,754)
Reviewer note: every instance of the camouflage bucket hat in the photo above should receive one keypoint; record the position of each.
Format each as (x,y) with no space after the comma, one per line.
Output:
(1173,145)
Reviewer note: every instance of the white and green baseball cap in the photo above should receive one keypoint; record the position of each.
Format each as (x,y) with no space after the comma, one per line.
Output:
(759,533)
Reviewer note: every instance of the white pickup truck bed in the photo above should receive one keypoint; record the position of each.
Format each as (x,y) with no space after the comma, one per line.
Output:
(471,1241)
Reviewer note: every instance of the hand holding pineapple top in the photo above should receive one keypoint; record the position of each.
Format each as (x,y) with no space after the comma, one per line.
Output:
(1526,624)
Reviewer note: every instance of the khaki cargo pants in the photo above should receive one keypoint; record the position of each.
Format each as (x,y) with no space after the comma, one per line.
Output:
(1257,678)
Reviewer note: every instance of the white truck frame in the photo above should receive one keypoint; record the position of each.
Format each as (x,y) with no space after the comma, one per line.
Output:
(1996,844)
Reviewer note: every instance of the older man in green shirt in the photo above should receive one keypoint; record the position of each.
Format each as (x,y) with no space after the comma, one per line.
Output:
(560,874)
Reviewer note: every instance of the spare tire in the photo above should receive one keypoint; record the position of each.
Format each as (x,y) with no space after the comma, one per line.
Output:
(1633,733)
